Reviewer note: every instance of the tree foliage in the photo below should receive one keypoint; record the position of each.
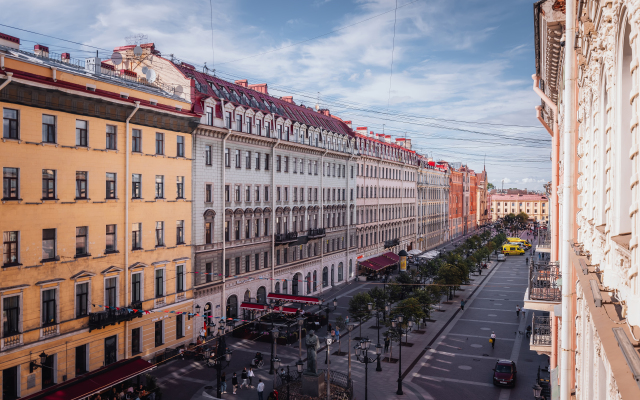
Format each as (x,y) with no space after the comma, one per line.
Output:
(359,308)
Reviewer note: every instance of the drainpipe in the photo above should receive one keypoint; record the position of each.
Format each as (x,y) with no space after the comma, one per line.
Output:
(223,220)
(322,218)
(127,198)
(349,214)
(567,200)
(273,212)
(555,172)
(9,79)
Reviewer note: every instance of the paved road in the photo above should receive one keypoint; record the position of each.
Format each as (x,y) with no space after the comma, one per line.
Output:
(453,359)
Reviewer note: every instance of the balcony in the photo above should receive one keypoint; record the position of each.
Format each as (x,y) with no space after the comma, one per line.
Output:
(540,341)
(99,320)
(290,237)
(11,340)
(316,233)
(543,291)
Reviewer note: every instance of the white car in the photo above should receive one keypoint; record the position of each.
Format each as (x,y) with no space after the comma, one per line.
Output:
(501,257)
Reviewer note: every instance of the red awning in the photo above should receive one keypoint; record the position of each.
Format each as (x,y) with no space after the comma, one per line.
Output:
(293,299)
(286,310)
(94,382)
(383,261)
(254,306)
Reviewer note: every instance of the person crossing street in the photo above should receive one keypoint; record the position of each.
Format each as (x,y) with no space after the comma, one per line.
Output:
(493,340)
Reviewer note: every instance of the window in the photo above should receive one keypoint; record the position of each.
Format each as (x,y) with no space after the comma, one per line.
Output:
(136,287)
(159,143)
(226,231)
(278,163)
(210,116)
(158,333)
(207,155)
(10,124)
(247,193)
(110,246)
(180,146)
(48,244)
(237,229)
(180,187)
(266,227)
(82,300)
(180,278)
(227,119)
(227,195)
(237,265)
(159,233)
(237,158)
(239,123)
(48,184)
(10,248)
(180,232)
(208,193)
(257,156)
(136,236)
(111,137)
(48,307)
(266,193)
(111,185)
(278,196)
(135,341)
(81,241)
(48,128)
(136,186)
(227,158)
(237,193)
(81,184)
(247,160)
(247,263)
(179,326)
(207,269)
(207,233)
(286,164)
(110,292)
(10,183)
(159,186)
(81,133)
(295,165)
(266,259)
(136,140)
(266,162)
(159,283)
(10,315)
(257,194)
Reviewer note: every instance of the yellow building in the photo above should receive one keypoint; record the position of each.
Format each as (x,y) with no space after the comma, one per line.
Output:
(536,206)
(95,217)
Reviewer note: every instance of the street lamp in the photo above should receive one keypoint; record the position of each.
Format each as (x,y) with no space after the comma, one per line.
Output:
(329,340)
(377,312)
(300,323)
(276,364)
(397,325)
(274,334)
(350,327)
(223,354)
(537,390)
(362,355)
(43,359)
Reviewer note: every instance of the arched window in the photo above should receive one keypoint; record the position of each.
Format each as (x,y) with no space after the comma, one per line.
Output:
(277,287)
(350,269)
(232,307)
(325,277)
(247,296)
(295,283)
(285,287)
(340,273)
(308,282)
(315,280)
(622,141)
(332,274)
(208,309)
(262,295)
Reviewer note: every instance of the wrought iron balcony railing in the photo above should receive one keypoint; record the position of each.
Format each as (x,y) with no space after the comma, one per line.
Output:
(316,233)
(541,331)
(543,281)
(99,320)
(286,237)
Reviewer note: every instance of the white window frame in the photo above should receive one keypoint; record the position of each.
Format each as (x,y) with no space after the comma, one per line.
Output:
(75,297)
(141,283)
(104,286)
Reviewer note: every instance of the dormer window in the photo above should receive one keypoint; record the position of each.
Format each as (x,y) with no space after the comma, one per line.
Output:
(91,88)
(153,102)
(124,95)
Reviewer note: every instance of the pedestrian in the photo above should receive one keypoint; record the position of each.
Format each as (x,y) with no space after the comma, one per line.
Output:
(518,311)
(202,333)
(283,374)
(346,320)
(493,339)
(260,389)
(223,383)
(386,343)
(234,382)
(250,374)
(337,334)
(245,378)
(462,303)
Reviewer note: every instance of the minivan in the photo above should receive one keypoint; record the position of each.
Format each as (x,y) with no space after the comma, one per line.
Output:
(512,250)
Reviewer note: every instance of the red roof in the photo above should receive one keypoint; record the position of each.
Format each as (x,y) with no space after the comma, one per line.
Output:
(94,382)
(293,299)
(383,261)
(296,113)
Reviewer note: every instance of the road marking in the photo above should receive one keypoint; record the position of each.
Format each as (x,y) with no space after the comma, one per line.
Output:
(438,379)
(186,378)
(489,309)
(503,291)
(446,353)
(493,322)
(515,353)
(489,298)
(473,336)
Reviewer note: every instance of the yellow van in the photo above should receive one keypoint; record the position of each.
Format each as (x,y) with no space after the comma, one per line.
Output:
(518,240)
(512,250)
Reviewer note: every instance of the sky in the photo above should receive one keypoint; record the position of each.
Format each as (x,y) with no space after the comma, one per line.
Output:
(455,77)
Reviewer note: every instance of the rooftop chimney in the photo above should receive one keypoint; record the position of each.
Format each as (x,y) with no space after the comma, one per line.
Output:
(348,123)
(40,50)
(288,99)
(324,111)
(9,41)
(387,138)
(259,87)
(242,82)
(65,57)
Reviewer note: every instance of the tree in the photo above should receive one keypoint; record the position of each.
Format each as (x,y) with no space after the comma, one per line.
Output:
(379,298)
(426,299)
(359,308)
(406,281)
(410,309)
(490,186)
(522,218)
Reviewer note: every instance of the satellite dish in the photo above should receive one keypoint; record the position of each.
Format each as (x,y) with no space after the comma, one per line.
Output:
(145,69)
(178,90)
(116,58)
(151,75)
(137,51)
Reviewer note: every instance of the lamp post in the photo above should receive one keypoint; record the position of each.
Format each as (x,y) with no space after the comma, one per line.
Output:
(299,366)
(329,340)
(350,328)
(537,390)
(223,354)
(370,305)
(300,323)
(43,359)
(274,368)
(362,355)
(276,364)
(397,325)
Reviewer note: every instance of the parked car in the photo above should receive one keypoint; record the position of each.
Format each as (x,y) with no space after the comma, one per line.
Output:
(505,373)
(501,257)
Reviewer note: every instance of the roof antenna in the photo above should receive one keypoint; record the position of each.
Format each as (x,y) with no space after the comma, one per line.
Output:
(318,102)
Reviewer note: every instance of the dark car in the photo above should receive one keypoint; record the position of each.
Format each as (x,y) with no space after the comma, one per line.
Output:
(505,373)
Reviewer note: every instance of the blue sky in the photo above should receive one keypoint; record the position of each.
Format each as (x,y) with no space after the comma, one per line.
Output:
(454,60)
